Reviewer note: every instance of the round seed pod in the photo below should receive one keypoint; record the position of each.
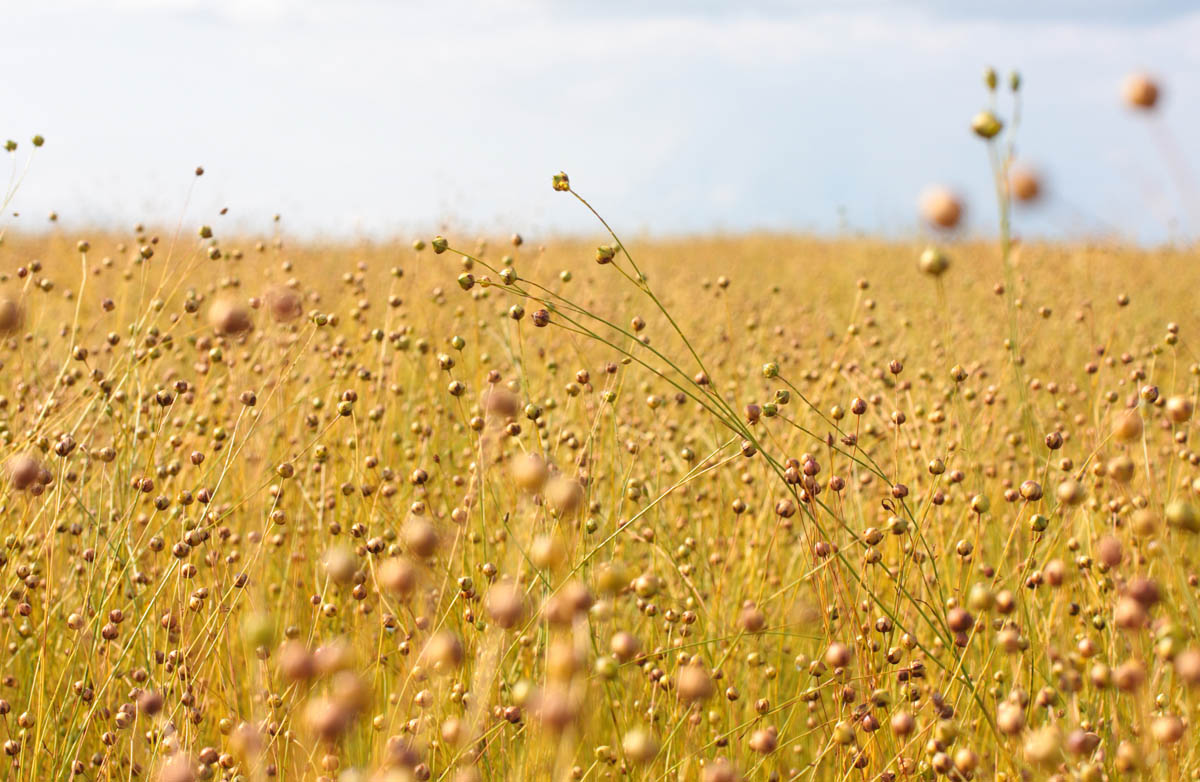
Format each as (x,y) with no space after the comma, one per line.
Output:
(1179,409)
(420,537)
(565,495)
(1024,184)
(529,472)
(229,317)
(941,207)
(1128,426)
(24,471)
(499,403)
(12,316)
(1140,91)
(694,684)
(505,604)
(934,262)
(398,576)
(283,303)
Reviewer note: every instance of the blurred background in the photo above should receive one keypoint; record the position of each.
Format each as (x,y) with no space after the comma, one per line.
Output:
(363,117)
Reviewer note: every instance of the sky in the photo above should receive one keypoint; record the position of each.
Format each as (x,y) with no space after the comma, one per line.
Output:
(382,119)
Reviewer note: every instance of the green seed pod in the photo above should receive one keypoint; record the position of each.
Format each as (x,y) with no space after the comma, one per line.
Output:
(986,125)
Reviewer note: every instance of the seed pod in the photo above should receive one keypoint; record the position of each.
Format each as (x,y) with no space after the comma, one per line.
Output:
(565,495)
(420,537)
(934,262)
(1024,184)
(283,303)
(398,576)
(639,745)
(529,472)
(229,317)
(505,604)
(941,207)
(1128,426)
(694,684)
(1140,91)
(12,316)
(24,471)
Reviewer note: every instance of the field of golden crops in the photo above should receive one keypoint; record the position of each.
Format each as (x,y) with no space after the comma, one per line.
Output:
(746,507)
(758,507)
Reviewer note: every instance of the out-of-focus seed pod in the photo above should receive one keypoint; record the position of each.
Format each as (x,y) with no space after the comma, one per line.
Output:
(1010,718)
(1167,729)
(941,207)
(694,684)
(296,662)
(505,604)
(934,262)
(1109,551)
(986,125)
(420,537)
(1025,184)
(1128,426)
(1140,91)
(23,471)
(499,403)
(1179,409)
(751,619)
(764,741)
(1183,515)
(397,575)
(1071,492)
(444,650)
(639,746)
(283,303)
(565,495)
(12,316)
(341,564)
(1187,665)
(229,317)
(548,551)
(529,472)
(1044,746)
(625,646)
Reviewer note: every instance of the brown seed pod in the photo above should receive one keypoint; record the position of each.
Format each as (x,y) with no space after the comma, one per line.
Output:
(296,662)
(639,746)
(1024,184)
(283,303)
(565,495)
(1127,427)
(12,316)
(751,619)
(24,471)
(500,404)
(420,537)
(764,741)
(625,646)
(529,472)
(1109,551)
(1187,665)
(694,684)
(1179,409)
(505,604)
(444,650)
(941,207)
(1140,91)
(398,576)
(229,317)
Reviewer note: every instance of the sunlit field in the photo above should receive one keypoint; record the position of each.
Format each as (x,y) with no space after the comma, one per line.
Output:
(757,507)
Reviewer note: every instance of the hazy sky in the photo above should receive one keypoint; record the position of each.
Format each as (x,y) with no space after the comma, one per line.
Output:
(358,116)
